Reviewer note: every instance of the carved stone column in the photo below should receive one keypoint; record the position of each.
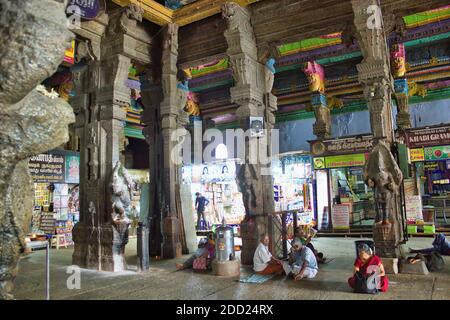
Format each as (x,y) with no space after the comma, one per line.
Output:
(252,93)
(151,93)
(174,100)
(95,236)
(99,238)
(381,172)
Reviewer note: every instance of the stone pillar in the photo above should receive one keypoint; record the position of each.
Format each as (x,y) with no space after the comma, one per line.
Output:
(252,94)
(151,93)
(102,96)
(99,241)
(316,80)
(398,67)
(381,172)
(172,117)
(34,38)
(96,236)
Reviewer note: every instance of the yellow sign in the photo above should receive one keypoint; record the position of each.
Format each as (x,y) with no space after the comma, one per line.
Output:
(319,163)
(69,56)
(416,155)
(348,160)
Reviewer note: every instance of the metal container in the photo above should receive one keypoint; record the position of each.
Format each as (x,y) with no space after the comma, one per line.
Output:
(224,242)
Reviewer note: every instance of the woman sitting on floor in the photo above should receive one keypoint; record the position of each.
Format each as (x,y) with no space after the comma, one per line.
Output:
(368,263)
(206,249)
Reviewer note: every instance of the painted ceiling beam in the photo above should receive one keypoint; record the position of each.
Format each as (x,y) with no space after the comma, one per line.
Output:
(196,11)
(153,11)
(202,9)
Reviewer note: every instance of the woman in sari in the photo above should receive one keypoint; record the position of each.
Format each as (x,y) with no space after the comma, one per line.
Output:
(368,263)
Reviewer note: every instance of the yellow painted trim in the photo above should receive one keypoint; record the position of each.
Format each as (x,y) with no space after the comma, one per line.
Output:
(202,9)
(199,10)
(153,11)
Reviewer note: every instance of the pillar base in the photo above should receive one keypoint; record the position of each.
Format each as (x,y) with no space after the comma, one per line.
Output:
(390,265)
(96,249)
(416,268)
(250,239)
(230,268)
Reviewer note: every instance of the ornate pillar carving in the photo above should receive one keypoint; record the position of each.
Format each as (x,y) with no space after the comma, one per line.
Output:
(252,94)
(172,118)
(101,235)
(398,66)
(316,80)
(381,172)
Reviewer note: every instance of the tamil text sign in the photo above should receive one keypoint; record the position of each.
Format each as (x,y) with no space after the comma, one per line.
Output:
(361,144)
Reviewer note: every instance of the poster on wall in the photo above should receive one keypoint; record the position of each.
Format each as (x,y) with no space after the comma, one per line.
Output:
(413,208)
(47,168)
(72,168)
(340,216)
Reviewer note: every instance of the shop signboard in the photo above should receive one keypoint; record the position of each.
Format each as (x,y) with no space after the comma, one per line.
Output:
(340,216)
(47,168)
(427,137)
(86,9)
(416,154)
(437,153)
(359,144)
(349,160)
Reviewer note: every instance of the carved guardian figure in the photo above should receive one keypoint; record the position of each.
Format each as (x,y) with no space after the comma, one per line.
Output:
(121,186)
(383,174)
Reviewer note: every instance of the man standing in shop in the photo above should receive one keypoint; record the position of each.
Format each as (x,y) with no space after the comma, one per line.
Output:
(200,203)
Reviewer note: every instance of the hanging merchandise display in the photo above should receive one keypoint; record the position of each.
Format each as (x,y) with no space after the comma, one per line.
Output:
(292,176)
(217,183)
(56,196)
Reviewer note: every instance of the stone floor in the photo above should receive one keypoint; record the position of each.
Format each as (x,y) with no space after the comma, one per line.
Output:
(162,282)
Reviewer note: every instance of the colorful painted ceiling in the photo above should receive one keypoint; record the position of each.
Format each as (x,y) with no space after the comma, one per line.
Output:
(310,44)
(133,125)
(420,19)
(203,70)
(428,71)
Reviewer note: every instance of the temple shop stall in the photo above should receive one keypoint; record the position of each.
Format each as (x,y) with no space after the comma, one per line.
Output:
(343,200)
(216,181)
(293,195)
(141,179)
(425,162)
(56,197)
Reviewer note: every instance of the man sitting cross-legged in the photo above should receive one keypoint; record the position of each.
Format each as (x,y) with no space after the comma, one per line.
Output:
(263,261)
(304,262)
